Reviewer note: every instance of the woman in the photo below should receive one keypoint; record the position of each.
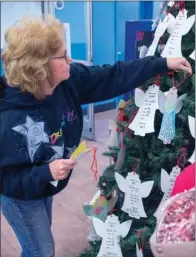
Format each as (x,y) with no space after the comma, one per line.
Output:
(41,121)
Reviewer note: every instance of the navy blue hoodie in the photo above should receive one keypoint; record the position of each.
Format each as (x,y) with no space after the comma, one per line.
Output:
(35,132)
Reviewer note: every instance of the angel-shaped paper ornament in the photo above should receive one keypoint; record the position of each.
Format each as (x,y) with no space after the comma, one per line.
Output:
(182,27)
(170,105)
(192,130)
(148,102)
(139,252)
(169,24)
(167,184)
(98,207)
(111,231)
(134,192)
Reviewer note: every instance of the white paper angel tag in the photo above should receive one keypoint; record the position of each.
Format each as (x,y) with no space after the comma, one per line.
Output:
(148,102)
(139,252)
(168,22)
(182,27)
(111,231)
(167,184)
(134,192)
(169,105)
(112,141)
(192,130)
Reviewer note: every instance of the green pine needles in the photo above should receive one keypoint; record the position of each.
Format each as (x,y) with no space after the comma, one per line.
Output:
(152,154)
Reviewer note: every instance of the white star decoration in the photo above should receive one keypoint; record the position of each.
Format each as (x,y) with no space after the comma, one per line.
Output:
(34,133)
(59,150)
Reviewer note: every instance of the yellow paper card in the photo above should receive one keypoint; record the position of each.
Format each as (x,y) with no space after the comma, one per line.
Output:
(81,149)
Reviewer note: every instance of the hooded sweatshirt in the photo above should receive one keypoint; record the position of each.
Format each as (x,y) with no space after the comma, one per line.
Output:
(34,132)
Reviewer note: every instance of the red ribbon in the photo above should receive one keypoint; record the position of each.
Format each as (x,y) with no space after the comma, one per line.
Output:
(94,167)
(182,6)
(141,244)
(134,169)
(173,79)
(157,80)
(112,203)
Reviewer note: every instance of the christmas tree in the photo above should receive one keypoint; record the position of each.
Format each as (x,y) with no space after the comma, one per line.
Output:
(151,156)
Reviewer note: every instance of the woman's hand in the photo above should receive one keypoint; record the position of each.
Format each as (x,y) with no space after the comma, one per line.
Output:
(179,64)
(60,168)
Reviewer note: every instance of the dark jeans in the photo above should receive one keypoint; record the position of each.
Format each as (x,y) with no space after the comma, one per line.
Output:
(31,222)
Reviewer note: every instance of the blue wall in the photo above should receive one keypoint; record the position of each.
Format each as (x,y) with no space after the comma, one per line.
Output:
(124,11)
(74,13)
(146,10)
(109,27)
(156,8)
(103,17)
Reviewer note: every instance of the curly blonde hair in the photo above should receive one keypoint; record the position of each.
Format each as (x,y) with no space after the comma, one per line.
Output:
(29,45)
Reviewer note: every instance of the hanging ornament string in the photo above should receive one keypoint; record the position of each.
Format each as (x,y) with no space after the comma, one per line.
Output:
(173,79)
(94,167)
(157,80)
(141,241)
(134,169)
(182,157)
(182,6)
(112,203)
(185,77)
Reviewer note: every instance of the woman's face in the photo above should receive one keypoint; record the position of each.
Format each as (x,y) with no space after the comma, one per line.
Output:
(60,65)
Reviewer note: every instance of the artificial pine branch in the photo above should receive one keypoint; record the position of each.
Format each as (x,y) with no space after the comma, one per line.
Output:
(151,151)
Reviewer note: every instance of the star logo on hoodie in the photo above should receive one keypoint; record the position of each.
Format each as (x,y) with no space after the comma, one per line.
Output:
(34,133)
(59,150)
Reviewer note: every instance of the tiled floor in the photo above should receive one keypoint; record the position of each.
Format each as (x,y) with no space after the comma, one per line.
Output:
(70,225)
